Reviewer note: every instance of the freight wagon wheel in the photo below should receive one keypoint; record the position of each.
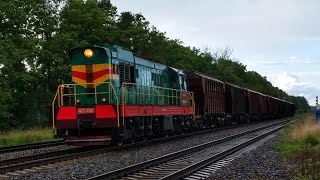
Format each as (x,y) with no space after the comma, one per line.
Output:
(132,140)
(120,141)
(144,138)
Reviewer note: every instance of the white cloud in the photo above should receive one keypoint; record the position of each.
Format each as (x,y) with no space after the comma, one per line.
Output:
(309,97)
(294,86)
(301,61)
(291,60)
(307,74)
(254,63)
(285,81)
(292,57)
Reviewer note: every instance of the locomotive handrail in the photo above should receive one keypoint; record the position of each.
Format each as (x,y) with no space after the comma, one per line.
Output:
(59,96)
(52,106)
(193,104)
(134,85)
(144,96)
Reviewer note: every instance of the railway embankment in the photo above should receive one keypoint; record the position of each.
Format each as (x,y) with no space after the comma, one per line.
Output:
(293,154)
(300,143)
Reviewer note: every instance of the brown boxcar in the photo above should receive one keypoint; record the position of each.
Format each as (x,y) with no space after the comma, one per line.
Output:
(282,107)
(236,101)
(271,105)
(292,109)
(277,106)
(263,104)
(208,93)
(253,101)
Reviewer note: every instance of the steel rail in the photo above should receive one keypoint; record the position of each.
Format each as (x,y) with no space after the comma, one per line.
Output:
(31,146)
(143,165)
(22,159)
(201,164)
(33,161)
(11,161)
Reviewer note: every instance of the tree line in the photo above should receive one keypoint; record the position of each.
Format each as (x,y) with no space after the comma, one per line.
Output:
(36,35)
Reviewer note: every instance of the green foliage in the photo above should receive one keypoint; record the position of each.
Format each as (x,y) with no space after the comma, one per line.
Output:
(311,140)
(36,35)
(289,148)
(286,145)
(299,143)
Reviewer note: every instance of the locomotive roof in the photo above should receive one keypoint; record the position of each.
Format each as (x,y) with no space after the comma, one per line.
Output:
(178,71)
(234,85)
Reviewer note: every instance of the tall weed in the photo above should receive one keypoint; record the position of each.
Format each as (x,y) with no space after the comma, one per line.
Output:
(301,143)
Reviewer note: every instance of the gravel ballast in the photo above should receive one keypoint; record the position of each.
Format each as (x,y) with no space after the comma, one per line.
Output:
(263,162)
(17,154)
(95,165)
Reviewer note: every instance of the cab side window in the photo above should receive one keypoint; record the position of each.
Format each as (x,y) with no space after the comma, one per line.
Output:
(182,82)
(174,83)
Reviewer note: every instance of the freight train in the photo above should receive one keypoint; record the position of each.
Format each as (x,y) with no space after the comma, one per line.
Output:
(117,96)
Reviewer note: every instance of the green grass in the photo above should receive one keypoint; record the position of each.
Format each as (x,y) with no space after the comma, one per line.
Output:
(289,148)
(300,143)
(18,137)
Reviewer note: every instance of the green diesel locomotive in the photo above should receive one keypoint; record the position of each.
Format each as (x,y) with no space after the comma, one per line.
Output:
(118,96)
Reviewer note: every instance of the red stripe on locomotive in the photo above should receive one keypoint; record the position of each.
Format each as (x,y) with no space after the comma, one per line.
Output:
(67,113)
(135,110)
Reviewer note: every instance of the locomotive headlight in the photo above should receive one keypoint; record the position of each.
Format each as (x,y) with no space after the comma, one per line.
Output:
(88,53)
(104,99)
(78,100)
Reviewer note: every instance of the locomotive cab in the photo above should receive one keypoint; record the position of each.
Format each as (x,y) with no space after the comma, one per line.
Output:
(86,111)
(91,67)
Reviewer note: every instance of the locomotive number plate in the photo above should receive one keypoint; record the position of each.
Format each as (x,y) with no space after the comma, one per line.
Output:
(86,110)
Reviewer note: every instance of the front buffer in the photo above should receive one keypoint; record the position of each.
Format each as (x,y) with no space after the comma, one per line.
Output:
(87,125)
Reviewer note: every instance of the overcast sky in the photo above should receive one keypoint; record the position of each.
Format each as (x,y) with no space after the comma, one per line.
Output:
(278,39)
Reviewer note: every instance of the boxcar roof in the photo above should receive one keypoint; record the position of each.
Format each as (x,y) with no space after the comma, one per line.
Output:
(236,86)
(255,92)
(206,76)
(280,99)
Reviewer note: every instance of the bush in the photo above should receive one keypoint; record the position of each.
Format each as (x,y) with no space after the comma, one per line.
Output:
(311,140)
(308,159)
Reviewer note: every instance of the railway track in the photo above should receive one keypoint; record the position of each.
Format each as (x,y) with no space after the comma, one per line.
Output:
(31,146)
(194,162)
(29,162)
